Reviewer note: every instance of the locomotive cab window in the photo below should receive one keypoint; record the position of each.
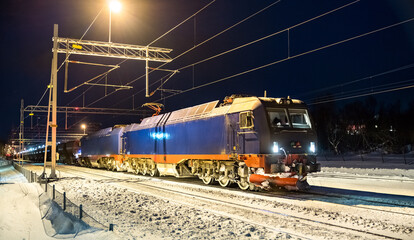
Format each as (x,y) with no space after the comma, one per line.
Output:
(278,118)
(300,118)
(246,120)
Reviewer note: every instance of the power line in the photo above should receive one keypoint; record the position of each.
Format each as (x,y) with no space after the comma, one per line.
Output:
(42,96)
(359,80)
(67,57)
(196,46)
(268,36)
(252,42)
(292,57)
(89,88)
(365,94)
(172,29)
(362,90)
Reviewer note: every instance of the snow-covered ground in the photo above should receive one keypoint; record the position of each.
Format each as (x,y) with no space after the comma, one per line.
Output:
(21,217)
(148,208)
(392,176)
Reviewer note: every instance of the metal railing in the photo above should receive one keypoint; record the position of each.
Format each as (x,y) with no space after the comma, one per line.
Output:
(405,158)
(4,162)
(60,198)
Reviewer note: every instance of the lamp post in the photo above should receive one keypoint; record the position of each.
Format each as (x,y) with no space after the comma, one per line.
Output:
(83,126)
(114,6)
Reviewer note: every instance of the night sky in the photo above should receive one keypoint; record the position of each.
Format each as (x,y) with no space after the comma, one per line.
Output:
(26,51)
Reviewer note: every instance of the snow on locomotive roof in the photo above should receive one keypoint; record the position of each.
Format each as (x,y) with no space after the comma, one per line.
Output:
(244,104)
(205,110)
(100,133)
(280,100)
(106,131)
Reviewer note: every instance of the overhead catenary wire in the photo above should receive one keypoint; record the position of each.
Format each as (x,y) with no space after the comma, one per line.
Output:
(385,86)
(252,42)
(172,29)
(67,57)
(247,44)
(96,17)
(292,57)
(268,36)
(192,48)
(70,52)
(358,80)
(364,94)
(89,88)
(41,98)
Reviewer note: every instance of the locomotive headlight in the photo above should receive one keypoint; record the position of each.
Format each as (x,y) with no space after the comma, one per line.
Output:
(275,147)
(312,147)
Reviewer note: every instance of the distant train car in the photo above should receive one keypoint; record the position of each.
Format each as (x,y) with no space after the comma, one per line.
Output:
(251,141)
(68,151)
(102,149)
(36,153)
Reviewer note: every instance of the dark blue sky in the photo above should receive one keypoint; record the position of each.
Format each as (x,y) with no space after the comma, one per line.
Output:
(27,29)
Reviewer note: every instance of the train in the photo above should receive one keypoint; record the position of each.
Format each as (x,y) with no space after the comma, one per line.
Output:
(67,152)
(254,142)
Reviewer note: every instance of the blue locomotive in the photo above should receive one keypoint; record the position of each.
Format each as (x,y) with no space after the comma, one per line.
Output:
(251,141)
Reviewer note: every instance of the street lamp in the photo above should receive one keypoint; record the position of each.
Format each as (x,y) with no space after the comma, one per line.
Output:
(83,126)
(114,6)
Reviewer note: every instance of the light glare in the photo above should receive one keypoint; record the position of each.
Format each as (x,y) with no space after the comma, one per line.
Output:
(312,147)
(275,147)
(115,6)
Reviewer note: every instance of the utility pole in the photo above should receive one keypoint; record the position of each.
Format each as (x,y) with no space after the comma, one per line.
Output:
(54,101)
(146,73)
(98,49)
(21,132)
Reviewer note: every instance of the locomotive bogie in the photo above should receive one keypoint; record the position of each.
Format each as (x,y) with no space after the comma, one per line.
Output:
(143,166)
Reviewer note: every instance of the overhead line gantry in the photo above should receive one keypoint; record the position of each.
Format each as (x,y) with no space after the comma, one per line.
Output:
(109,49)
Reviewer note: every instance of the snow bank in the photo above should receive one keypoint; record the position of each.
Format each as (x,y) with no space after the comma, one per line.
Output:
(20,217)
(56,221)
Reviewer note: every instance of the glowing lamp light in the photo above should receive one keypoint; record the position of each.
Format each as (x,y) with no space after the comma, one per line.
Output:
(83,126)
(115,6)
(312,147)
(275,147)
(160,135)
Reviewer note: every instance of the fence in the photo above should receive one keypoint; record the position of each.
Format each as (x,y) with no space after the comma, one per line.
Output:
(406,158)
(4,162)
(61,199)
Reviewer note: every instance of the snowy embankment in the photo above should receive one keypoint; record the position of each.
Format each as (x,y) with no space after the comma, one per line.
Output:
(372,164)
(373,172)
(149,208)
(141,208)
(21,218)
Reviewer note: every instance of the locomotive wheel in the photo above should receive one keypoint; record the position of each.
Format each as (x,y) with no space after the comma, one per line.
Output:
(154,172)
(144,170)
(207,180)
(108,165)
(244,185)
(224,181)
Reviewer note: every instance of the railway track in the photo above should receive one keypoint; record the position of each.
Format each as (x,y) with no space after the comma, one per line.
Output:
(138,184)
(306,195)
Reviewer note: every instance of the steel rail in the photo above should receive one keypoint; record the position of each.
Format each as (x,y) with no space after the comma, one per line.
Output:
(244,207)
